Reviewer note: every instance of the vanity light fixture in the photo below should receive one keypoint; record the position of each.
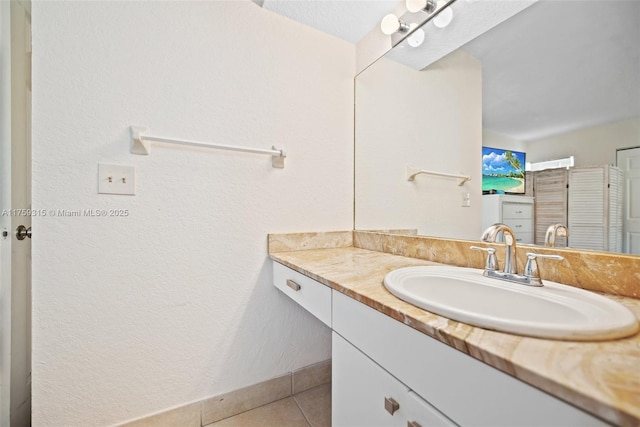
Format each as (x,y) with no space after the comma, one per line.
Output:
(416,38)
(428,6)
(443,18)
(392,24)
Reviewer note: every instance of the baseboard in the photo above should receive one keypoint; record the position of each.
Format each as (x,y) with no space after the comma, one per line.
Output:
(216,408)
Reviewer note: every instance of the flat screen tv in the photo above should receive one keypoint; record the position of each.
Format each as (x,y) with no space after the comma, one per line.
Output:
(502,171)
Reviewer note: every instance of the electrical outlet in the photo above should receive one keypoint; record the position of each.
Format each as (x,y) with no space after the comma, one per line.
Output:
(116,179)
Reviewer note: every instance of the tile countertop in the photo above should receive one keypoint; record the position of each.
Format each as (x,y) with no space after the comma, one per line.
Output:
(602,378)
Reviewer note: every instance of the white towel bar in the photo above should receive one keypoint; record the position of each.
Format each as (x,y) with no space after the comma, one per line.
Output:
(140,144)
(412,171)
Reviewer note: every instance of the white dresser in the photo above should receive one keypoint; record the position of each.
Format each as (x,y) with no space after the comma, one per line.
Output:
(514,211)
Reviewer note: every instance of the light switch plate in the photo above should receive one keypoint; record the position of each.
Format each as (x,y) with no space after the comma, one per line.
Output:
(466,199)
(116,179)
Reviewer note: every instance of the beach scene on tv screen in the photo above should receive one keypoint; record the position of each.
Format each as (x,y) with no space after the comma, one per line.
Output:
(502,170)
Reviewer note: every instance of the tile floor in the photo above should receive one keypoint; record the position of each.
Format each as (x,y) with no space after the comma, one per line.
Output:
(310,408)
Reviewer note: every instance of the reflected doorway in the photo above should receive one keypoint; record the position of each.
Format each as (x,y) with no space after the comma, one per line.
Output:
(628,160)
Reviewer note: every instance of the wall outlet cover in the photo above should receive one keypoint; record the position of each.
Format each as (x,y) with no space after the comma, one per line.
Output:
(116,179)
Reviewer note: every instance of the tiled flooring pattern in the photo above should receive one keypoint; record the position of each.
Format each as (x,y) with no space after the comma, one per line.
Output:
(310,408)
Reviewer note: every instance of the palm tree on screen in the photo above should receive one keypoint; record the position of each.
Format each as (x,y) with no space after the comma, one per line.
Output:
(514,162)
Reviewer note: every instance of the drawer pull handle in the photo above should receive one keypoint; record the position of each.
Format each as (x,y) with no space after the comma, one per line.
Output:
(413,424)
(293,285)
(391,405)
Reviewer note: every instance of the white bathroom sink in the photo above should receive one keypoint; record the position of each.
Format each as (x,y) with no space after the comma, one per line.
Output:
(552,311)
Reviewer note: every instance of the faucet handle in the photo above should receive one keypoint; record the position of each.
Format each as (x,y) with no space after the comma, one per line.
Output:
(492,261)
(531,268)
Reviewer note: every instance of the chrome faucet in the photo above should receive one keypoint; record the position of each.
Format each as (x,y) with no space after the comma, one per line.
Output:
(490,235)
(531,276)
(555,230)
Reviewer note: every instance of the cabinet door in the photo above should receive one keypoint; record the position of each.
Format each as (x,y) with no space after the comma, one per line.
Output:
(360,390)
(364,394)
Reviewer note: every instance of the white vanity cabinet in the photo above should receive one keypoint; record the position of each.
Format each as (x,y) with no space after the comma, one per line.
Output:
(514,211)
(379,362)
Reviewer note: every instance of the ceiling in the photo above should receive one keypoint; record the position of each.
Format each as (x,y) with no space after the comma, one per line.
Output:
(555,67)
(560,66)
(349,20)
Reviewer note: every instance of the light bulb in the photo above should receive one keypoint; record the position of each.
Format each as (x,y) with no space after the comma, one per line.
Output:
(443,18)
(416,38)
(391,24)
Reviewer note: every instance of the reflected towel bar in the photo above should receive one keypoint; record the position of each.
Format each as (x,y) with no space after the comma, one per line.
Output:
(140,144)
(412,171)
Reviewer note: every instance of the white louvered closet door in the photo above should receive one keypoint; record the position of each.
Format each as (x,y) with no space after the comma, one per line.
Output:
(550,191)
(587,208)
(595,208)
(616,198)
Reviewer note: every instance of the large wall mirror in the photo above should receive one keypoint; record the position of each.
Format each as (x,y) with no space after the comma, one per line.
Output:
(558,81)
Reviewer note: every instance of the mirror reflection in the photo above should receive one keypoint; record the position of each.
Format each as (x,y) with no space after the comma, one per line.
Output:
(554,89)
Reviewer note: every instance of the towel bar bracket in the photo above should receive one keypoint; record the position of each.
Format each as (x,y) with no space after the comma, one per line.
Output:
(138,146)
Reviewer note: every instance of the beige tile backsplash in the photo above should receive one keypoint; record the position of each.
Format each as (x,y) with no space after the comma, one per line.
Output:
(611,273)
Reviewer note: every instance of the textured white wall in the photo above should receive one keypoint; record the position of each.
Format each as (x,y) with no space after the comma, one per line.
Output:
(174,303)
(593,146)
(497,140)
(431,119)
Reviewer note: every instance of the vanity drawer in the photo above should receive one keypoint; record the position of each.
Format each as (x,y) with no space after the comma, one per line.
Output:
(312,295)
(526,238)
(517,211)
(520,226)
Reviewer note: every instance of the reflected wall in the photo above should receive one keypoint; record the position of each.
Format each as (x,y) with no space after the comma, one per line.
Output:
(431,119)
